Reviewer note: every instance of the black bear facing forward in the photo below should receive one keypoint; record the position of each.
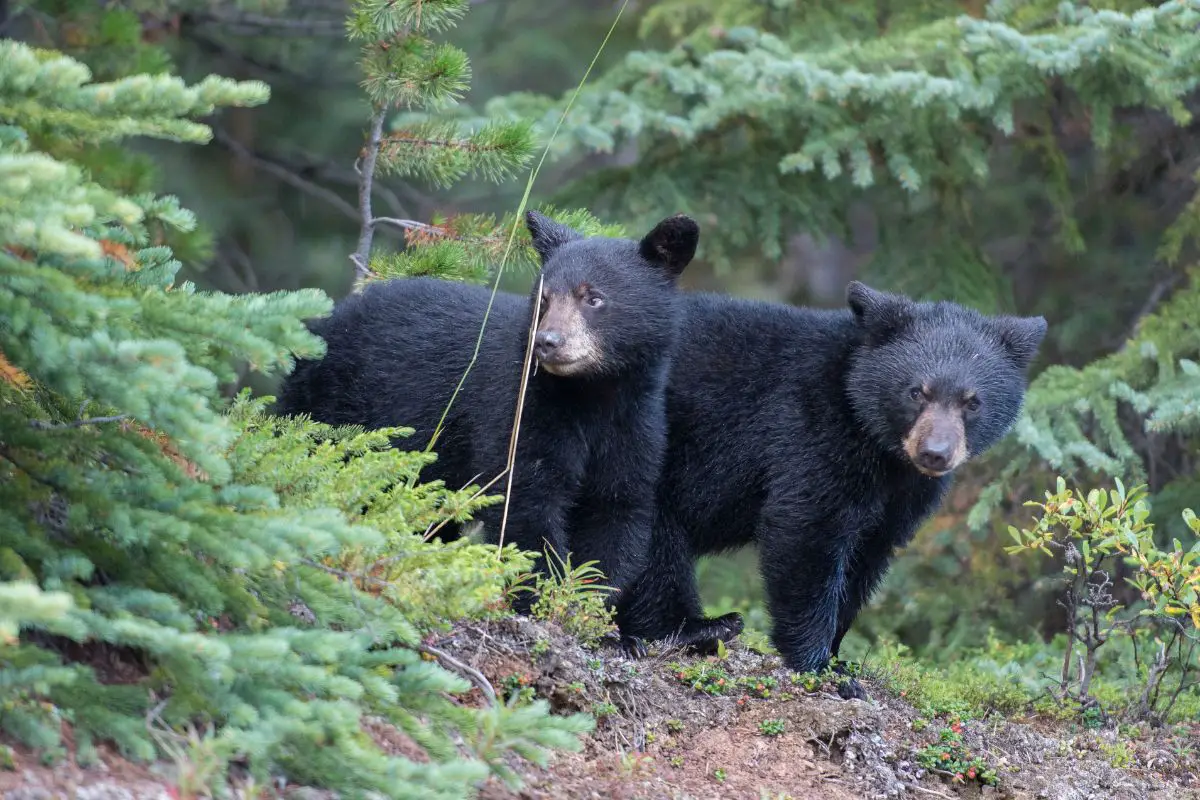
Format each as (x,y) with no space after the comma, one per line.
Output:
(593,429)
(826,437)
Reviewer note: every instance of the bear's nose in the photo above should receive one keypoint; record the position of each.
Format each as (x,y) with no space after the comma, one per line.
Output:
(934,455)
(546,342)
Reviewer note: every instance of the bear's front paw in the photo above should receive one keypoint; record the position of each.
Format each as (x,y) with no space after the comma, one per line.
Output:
(729,625)
(851,689)
(848,687)
(724,628)
(633,647)
(703,635)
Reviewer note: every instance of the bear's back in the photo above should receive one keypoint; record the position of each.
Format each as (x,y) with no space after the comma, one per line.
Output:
(397,350)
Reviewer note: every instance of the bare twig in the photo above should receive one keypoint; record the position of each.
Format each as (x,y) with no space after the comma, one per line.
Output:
(362,256)
(407,224)
(79,423)
(475,676)
(923,790)
(283,173)
(510,467)
(263,25)
(434,530)
(341,573)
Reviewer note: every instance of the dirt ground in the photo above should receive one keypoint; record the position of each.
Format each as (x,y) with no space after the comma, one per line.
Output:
(756,734)
(665,739)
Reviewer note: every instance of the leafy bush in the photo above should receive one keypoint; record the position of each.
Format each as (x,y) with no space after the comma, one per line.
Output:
(1101,536)
(574,598)
(950,757)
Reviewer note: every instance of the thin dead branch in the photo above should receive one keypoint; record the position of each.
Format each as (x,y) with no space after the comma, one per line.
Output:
(362,256)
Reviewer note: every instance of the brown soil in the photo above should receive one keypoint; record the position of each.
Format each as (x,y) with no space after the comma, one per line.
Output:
(657,737)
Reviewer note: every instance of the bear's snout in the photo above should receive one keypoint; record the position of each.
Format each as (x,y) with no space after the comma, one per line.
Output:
(934,453)
(564,343)
(937,442)
(546,343)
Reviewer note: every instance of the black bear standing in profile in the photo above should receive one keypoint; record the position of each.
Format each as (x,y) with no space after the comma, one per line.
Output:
(826,437)
(593,429)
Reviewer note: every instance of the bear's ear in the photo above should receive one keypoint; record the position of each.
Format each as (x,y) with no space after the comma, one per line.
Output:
(547,234)
(672,243)
(1021,337)
(881,314)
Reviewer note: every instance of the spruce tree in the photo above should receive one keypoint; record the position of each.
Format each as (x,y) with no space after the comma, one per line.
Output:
(413,85)
(167,567)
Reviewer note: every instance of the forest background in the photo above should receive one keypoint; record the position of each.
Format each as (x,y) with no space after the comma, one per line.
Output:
(1018,157)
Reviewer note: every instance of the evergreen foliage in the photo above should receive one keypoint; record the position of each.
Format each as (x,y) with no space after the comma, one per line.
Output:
(1094,418)
(432,141)
(165,565)
(798,111)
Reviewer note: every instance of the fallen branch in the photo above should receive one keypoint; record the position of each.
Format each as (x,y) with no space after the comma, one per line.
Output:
(475,676)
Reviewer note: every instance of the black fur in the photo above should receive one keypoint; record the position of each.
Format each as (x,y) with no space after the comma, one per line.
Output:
(785,429)
(590,445)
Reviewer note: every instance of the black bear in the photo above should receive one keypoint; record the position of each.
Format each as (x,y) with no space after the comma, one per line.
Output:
(593,428)
(827,437)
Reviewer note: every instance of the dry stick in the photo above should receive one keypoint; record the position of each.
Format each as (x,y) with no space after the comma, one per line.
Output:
(406,224)
(510,468)
(473,674)
(477,495)
(362,255)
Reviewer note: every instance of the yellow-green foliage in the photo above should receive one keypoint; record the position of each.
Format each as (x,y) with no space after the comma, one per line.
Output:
(970,688)
(1094,532)
(574,598)
(310,465)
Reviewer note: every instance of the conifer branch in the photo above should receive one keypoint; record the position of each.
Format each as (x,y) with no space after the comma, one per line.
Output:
(7,455)
(79,423)
(472,674)
(362,255)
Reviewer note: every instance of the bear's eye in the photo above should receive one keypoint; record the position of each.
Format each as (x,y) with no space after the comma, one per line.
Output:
(973,404)
(916,394)
(595,301)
